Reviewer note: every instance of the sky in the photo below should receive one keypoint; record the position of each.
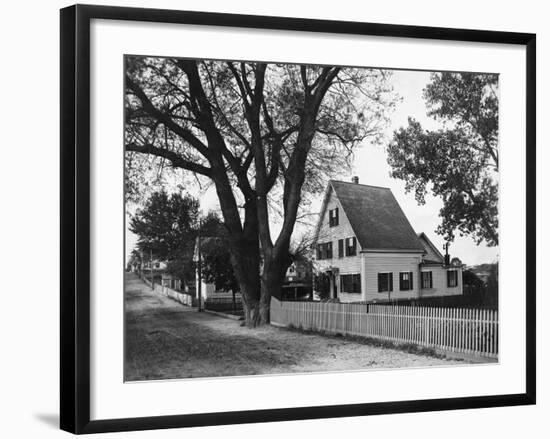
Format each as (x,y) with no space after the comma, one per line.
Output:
(370,165)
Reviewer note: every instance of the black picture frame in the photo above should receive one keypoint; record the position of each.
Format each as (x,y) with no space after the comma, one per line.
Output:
(75,217)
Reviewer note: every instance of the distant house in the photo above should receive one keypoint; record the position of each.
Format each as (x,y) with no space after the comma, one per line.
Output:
(157,264)
(366,249)
(297,283)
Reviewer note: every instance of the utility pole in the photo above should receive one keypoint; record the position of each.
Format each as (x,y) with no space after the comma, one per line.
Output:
(199,267)
(152,278)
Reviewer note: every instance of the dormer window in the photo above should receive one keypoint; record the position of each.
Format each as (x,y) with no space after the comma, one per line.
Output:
(333,217)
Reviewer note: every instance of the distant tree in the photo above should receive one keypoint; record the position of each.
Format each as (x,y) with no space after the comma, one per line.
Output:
(458,163)
(165,224)
(216,265)
(472,283)
(135,259)
(180,261)
(492,284)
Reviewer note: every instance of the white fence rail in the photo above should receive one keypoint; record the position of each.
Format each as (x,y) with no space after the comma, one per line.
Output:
(183,298)
(466,331)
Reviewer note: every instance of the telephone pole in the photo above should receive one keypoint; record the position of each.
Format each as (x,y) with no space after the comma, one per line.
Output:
(151,262)
(199,267)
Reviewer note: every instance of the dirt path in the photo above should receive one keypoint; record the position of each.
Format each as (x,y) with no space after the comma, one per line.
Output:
(165,339)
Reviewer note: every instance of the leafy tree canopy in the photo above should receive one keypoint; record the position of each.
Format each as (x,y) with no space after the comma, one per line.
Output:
(165,223)
(262,134)
(458,163)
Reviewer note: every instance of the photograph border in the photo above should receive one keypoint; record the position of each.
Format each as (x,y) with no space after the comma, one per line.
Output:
(75,213)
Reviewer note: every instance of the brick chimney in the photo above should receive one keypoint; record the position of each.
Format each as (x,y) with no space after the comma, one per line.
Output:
(355,179)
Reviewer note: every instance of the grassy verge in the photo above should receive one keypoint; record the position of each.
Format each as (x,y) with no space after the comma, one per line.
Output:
(409,348)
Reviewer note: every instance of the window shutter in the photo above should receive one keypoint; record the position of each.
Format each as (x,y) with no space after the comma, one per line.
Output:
(401,281)
(431,280)
(448,278)
(391,281)
(411,280)
(340,248)
(336,216)
(380,275)
(318,251)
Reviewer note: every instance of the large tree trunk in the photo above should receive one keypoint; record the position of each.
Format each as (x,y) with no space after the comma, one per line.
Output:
(245,258)
(272,278)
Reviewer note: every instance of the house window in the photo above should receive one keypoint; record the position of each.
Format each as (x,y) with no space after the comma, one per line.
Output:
(351,246)
(324,251)
(452,278)
(406,281)
(340,248)
(333,217)
(350,283)
(427,281)
(385,282)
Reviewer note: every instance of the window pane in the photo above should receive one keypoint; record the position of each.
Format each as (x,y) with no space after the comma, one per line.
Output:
(383,280)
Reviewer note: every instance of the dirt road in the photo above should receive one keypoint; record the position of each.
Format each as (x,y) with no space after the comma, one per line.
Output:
(165,339)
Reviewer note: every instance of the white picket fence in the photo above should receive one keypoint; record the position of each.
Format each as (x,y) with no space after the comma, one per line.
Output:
(459,330)
(183,298)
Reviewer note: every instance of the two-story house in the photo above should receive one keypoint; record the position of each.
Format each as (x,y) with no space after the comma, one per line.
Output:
(368,251)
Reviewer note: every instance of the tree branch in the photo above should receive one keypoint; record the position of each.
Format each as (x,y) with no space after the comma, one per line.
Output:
(165,119)
(176,160)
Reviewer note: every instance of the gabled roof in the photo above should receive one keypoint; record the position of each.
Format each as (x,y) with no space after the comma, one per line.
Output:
(431,248)
(375,217)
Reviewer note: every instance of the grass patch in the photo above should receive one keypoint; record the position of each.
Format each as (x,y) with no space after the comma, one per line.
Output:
(409,348)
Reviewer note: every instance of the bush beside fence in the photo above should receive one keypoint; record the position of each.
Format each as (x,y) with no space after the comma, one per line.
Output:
(459,330)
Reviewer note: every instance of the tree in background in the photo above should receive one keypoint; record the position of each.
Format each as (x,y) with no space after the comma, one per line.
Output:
(134,262)
(492,285)
(458,163)
(216,265)
(258,132)
(168,225)
(165,223)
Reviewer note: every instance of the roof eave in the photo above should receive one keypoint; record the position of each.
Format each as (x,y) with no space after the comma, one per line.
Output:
(392,250)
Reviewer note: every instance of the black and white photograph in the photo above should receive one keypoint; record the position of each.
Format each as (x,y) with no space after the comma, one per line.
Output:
(275,219)
(293,218)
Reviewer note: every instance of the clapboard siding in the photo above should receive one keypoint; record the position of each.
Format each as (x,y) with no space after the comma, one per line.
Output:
(431,255)
(395,263)
(346,264)
(439,282)
(369,262)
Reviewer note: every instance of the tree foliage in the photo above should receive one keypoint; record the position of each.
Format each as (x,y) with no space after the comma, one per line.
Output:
(262,134)
(165,224)
(216,265)
(458,163)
